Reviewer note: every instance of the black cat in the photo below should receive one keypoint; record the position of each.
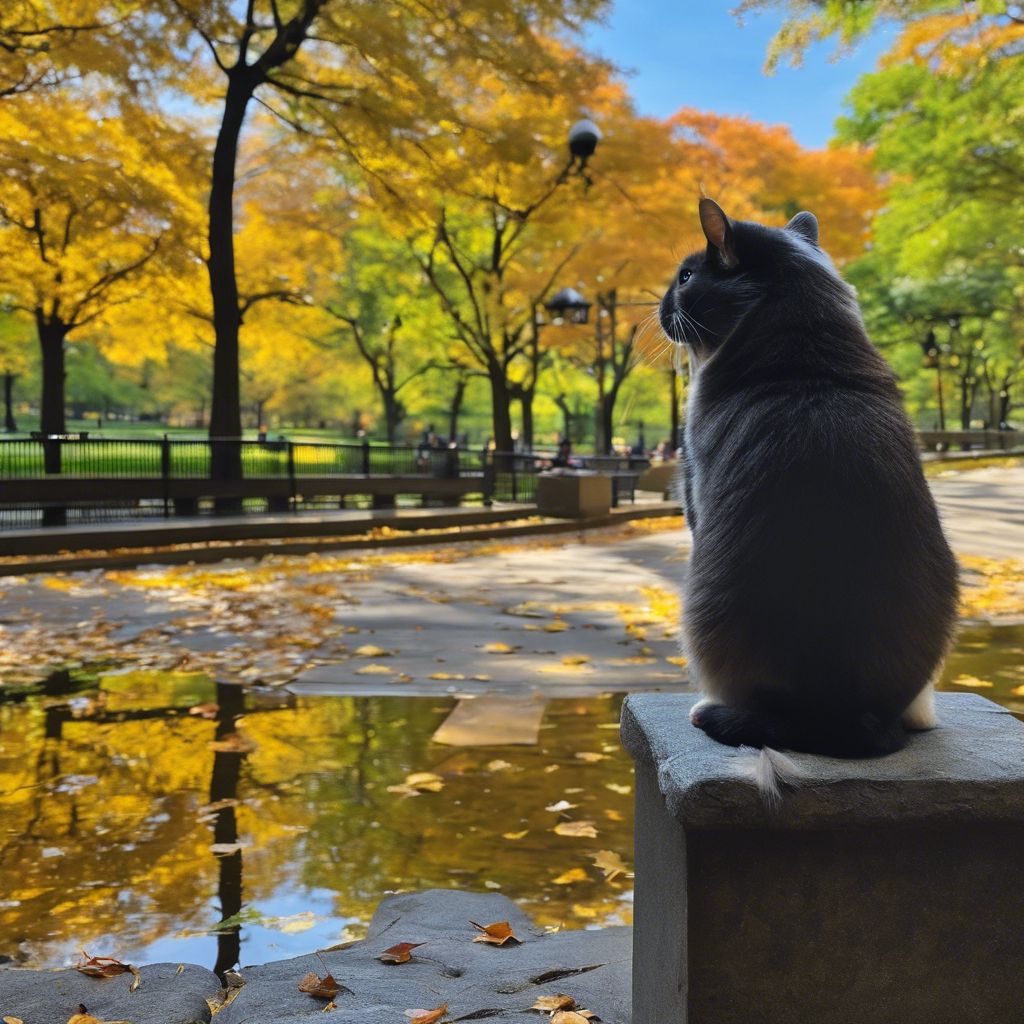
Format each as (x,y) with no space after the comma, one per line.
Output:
(821,593)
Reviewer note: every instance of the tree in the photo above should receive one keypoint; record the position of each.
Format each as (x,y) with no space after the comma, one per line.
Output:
(88,206)
(357,74)
(941,120)
(983,25)
(15,358)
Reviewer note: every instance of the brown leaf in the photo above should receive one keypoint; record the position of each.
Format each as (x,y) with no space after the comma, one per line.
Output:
(103,966)
(555,1002)
(204,710)
(572,1017)
(319,988)
(427,1016)
(496,934)
(12,1020)
(398,954)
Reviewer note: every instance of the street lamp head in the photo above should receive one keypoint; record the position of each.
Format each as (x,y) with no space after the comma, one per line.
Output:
(568,304)
(584,136)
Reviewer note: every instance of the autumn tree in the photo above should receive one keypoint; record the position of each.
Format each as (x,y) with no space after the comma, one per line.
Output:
(88,205)
(15,358)
(359,74)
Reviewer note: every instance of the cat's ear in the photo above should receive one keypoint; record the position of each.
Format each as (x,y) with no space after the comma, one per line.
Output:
(718,231)
(805,224)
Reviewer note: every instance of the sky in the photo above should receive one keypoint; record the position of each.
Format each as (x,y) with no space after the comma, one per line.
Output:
(693,53)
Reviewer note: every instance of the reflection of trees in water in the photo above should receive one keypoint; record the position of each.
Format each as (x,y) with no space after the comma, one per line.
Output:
(227,767)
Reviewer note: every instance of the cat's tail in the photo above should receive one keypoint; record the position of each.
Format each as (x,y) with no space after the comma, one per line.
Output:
(771,771)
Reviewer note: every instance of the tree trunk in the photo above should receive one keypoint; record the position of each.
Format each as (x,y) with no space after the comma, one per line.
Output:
(501,413)
(393,415)
(526,402)
(605,417)
(225,410)
(9,423)
(52,334)
(454,409)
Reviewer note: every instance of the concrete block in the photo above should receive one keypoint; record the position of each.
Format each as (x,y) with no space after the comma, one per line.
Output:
(574,495)
(881,890)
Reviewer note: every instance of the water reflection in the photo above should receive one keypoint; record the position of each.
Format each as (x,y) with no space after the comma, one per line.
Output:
(261,825)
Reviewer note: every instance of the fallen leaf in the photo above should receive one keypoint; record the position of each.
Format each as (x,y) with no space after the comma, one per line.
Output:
(677,660)
(320,988)
(204,710)
(612,815)
(446,675)
(557,626)
(577,829)
(562,805)
(482,677)
(375,670)
(372,651)
(225,849)
(497,765)
(571,876)
(515,835)
(496,934)
(1018,691)
(427,1016)
(972,681)
(233,743)
(576,659)
(425,780)
(610,863)
(499,648)
(75,1018)
(398,954)
(571,1017)
(617,787)
(555,1002)
(590,756)
(12,1020)
(103,966)
(635,660)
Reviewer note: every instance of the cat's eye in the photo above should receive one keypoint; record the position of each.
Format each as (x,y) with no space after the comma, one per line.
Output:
(684,276)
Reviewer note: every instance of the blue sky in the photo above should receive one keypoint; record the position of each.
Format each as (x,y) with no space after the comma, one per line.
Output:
(693,53)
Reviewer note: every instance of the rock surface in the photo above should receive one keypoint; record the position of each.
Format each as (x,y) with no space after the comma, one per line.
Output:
(164,995)
(478,981)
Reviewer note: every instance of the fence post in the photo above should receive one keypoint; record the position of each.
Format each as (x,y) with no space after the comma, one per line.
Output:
(515,492)
(366,456)
(165,473)
(488,479)
(291,474)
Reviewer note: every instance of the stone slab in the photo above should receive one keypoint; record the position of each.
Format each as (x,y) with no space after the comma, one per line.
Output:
(492,720)
(165,995)
(476,980)
(969,769)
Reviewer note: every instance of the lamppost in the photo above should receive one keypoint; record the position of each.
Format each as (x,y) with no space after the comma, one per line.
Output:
(930,347)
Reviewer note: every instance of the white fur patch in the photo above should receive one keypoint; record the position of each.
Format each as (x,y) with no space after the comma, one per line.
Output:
(920,712)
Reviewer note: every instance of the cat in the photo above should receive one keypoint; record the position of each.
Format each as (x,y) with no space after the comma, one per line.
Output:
(821,593)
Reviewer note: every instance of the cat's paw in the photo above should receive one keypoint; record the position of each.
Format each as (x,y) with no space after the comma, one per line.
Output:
(702,705)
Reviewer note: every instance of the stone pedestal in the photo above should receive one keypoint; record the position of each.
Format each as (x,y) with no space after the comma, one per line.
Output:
(881,891)
(574,495)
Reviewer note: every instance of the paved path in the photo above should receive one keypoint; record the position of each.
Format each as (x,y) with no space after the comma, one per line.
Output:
(561,616)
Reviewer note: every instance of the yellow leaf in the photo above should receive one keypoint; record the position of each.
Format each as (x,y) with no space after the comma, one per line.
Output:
(610,863)
(515,835)
(972,681)
(570,876)
(425,780)
(590,756)
(616,787)
(499,648)
(374,670)
(557,626)
(576,659)
(372,651)
(578,829)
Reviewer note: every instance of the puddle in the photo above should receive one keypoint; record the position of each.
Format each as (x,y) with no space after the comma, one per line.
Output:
(156,816)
